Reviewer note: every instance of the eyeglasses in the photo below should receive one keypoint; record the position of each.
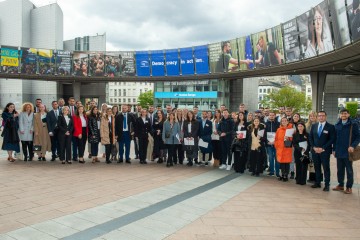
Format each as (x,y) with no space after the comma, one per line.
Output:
(318,19)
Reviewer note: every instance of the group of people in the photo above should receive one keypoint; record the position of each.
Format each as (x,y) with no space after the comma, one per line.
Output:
(282,143)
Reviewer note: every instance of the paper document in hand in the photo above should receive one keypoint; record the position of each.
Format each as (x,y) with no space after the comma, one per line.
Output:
(289,132)
(303,145)
(203,144)
(261,133)
(178,137)
(241,134)
(215,136)
(270,136)
(189,142)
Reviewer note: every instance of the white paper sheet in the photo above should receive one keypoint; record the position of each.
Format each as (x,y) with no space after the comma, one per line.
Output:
(203,144)
(303,145)
(215,137)
(289,132)
(261,133)
(241,134)
(270,136)
(189,142)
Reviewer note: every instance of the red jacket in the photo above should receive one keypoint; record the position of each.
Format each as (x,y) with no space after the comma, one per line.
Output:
(78,125)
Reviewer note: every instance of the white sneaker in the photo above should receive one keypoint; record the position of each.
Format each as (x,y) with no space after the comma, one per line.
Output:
(223,166)
(228,168)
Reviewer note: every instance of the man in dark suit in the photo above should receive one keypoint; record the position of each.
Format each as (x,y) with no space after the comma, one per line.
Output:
(152,115)
(72,112)
(123,123)
(321,138)
(142,131)
(38,102)
(52,119)
(205,131)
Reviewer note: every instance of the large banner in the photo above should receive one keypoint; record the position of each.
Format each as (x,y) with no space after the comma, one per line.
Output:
(157,63)
(275,46)
(80,64)
(339,23)
(215,58)
(201,59)
(29,61)
(112,64)
(127,61)
(260,48)
(291,41)
(187,61)
(245,53)
(63,62)
(46,62)
(9,59)
(172,62)
(142,63)
(97,64)
(354,18)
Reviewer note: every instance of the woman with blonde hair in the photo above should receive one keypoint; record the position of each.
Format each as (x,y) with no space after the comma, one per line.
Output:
(26,130)
(41,137)
(312,119)
(107,132)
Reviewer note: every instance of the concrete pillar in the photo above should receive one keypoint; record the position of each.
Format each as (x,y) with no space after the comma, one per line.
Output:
(318,80)
(76,90)
(236,94)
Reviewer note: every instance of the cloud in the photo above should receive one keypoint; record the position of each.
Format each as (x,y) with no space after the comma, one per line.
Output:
(164,24)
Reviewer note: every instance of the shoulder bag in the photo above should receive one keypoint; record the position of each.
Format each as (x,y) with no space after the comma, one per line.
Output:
(354,156)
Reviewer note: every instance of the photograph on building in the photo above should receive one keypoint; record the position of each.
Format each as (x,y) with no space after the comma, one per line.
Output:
(29,61)
(291,41)
(246,55)
(63,63)
(187,61)
(306,33)
(112,64)
(215,58)
(275,46)
(142,63)
(157,63)
(127,63)
(80,64)
(9,59)
(260,49)
(354,18)
(172,62)
(46,62)
(96,64)
(201,59)
(339,23)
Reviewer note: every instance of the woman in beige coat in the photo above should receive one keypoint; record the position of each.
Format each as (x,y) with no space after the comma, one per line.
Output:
(107,132)
(41,134)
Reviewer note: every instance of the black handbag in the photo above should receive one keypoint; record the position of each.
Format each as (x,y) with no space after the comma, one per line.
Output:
(288,143)
(36,148)
(305,159)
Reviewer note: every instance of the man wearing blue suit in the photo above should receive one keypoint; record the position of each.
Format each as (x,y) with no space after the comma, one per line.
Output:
(322,137)
(205,131)
(124,123)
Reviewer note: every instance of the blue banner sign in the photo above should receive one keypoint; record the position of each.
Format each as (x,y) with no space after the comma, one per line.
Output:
(157,63)
(186,61)
(142,64)
(201,59)
(172,62)
(186,94)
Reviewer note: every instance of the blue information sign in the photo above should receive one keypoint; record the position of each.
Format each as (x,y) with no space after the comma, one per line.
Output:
(142,64)
(212,94)
(157,63)
(201,59)
(172,62)
(186,61)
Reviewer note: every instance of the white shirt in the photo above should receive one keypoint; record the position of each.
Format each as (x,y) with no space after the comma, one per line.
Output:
(110,119)
(83,121)
(67,119)
(144,119)
(323,124)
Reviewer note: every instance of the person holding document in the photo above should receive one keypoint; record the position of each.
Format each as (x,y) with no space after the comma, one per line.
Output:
(205,132)
(191,137)
(171,137)
(239,145)
(215,138)
(271,126)
(256,138)
(301,152)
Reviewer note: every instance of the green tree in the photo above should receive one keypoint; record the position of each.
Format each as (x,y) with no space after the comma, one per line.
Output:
(288,97)
(146,99)
(352,107)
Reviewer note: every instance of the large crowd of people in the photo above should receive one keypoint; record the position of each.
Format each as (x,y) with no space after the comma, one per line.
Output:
(280,143)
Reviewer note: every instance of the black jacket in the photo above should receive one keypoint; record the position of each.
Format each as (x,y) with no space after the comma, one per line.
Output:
(119,124)
(63,127)
(226,126)
(297,138)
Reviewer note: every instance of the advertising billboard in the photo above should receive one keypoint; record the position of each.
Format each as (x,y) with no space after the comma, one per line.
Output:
(275,46)
(9,59)
(63,63)
(186,61)
(259,43)
(339,23)
(353,10)
(245,53)
(96,64)
(215,58)
(127,61)
(201,59)
(142,63)
(291,41)
(112,64)
(29,61)
(172,62)
(157,63)
(46,62)
(80,64)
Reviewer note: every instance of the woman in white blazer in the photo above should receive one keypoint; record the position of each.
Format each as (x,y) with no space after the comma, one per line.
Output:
(26,129)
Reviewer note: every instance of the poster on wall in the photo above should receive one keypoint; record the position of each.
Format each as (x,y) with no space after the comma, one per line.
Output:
(112,64)
(29,61)
(260,49)
(215,58)
(172,62)
(354,18)
(127,63)
(96,64)
(157,63)
(63,62)
(291,41)
(245,53)
(9,59)
(201,59)
(339,23)
(80,64)
(275,46)
(187,61)
(46,62)
(142,63)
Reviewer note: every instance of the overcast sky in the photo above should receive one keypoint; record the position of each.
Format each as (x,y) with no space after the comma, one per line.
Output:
(164,24)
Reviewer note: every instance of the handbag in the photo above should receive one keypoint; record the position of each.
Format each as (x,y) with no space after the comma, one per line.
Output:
(36,148)
(288,143)
(305,159)
(354,156)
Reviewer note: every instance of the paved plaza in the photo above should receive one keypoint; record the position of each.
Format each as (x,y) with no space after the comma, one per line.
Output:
(48,200)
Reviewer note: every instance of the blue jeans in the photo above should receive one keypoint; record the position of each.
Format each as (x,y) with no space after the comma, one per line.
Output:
(342,164)
(125,140)
(271,152)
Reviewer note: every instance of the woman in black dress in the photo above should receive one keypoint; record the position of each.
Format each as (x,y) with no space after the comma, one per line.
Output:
(159,146)
(240,144)
(11,141)
(66,127)
(94,132)
(301,153)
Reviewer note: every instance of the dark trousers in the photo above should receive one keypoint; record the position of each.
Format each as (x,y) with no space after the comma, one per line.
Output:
(240,159)
(54,145)
(65,147)
(125,140)
(285,169)
(179,153)
(143,142)
(225,151)
(107,151)
(301,171)
(342,165)
(256,161)
(27,147)
(74,147)
(171,152)
(94,149)
(324,160)
(81,143)
(216,149)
